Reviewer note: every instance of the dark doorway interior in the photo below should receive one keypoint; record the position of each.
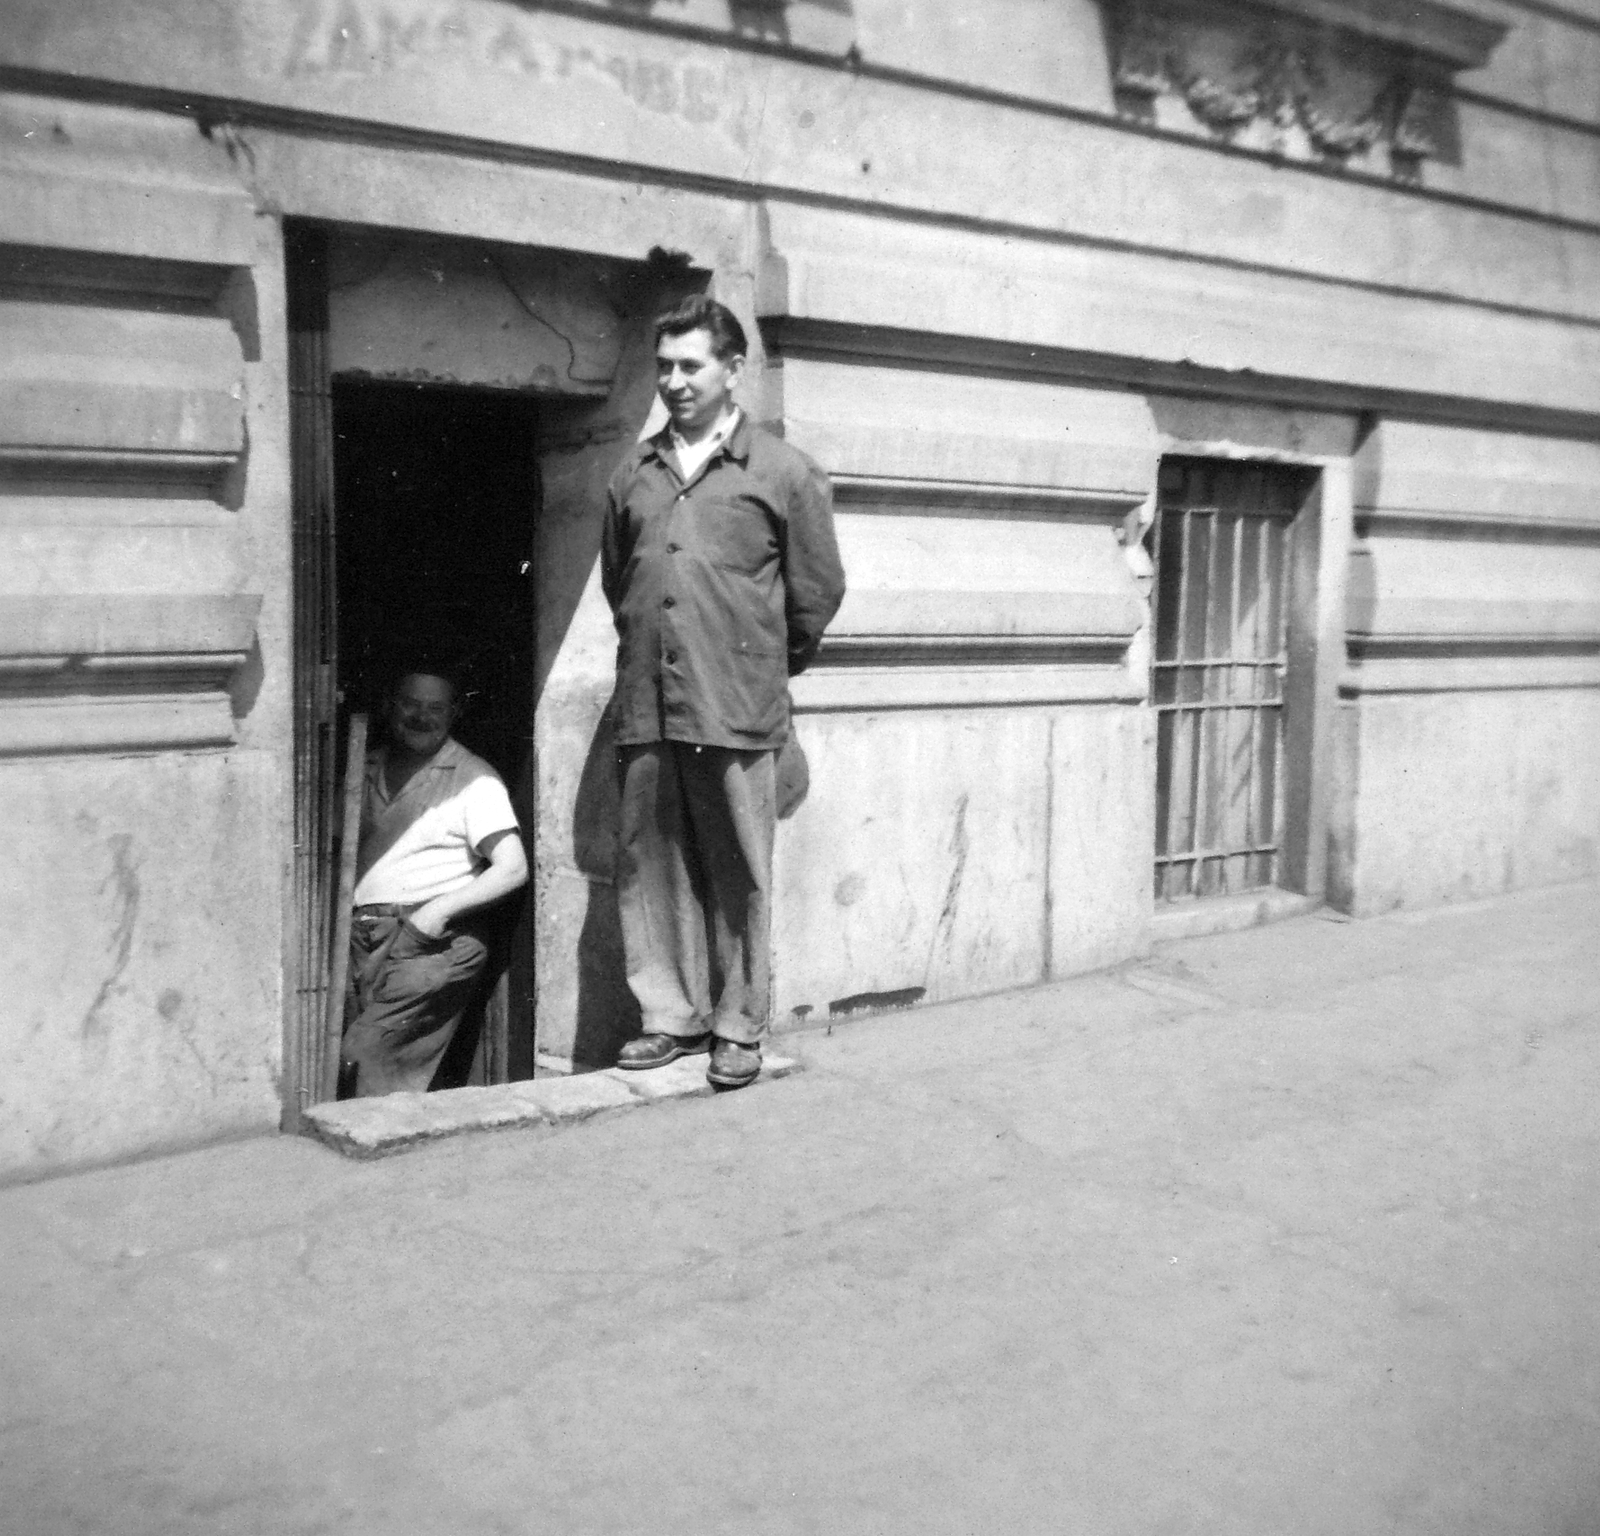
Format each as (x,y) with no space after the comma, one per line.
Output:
(437,495)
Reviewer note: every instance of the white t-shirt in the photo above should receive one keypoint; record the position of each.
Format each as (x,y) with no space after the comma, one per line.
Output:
(424,842)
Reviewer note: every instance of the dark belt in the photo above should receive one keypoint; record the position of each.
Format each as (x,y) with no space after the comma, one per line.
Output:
(389,909)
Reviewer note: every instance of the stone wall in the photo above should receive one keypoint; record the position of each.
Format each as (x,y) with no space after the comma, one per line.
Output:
(143,704)
(1469,738)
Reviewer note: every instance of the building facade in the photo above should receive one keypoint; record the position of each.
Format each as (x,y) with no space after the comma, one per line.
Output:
(1212,395)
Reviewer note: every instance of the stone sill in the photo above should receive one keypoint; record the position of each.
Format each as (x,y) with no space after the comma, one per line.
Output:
(398,1122)
(1227,914)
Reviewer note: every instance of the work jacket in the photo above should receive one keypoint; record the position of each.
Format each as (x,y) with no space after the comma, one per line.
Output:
(721,588)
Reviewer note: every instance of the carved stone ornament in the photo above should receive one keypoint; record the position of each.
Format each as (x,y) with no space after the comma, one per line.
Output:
(1359,86)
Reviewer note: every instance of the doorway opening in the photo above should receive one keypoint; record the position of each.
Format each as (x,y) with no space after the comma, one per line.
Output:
(1225,655)
(436,495)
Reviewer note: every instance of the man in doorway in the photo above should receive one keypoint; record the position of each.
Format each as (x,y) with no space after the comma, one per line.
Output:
(722,571)
(439,844)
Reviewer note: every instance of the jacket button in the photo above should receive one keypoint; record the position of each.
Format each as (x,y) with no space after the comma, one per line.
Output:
(672,549)
(667,602)
(672,656)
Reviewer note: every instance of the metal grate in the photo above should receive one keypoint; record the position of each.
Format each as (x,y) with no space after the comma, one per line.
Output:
(315,661)
(1221,546)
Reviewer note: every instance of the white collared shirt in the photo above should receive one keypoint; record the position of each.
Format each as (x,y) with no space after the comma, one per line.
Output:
(424,842)
(691,456)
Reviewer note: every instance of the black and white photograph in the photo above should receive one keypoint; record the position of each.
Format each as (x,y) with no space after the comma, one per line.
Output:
(800,767)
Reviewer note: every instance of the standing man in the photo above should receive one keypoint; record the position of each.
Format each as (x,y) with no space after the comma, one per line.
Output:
(721,568)
(439,843)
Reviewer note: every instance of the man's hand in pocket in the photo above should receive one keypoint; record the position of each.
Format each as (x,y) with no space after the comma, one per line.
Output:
(429,921)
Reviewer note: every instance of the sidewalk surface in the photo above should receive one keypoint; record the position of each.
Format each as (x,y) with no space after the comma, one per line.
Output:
(1289,1231)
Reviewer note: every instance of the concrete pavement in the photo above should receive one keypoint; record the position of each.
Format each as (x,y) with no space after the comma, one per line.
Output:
(1292,1230)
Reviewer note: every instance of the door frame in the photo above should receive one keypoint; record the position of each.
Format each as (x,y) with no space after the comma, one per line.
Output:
(1320,558)
(319,715)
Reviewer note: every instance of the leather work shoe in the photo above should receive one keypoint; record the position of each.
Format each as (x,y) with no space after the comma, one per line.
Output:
(733,1065)
(653,1050)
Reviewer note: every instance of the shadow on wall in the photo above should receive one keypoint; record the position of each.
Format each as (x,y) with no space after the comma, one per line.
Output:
(607,1013)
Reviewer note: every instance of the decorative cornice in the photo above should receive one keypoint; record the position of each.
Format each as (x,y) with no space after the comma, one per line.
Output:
(1329,80)
(1455,36)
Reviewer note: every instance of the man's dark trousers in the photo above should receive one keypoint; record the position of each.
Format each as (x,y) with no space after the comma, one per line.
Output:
(405,998)
(694,883)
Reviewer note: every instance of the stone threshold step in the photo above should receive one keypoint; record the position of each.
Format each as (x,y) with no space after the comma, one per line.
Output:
(399,1121)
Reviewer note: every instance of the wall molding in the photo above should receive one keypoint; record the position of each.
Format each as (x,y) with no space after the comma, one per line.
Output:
(807,337)
(1466,665)
(979,498)
(1464,524)
(120,671)
(826,689)
(1399,620)
(960,649)
(115,722)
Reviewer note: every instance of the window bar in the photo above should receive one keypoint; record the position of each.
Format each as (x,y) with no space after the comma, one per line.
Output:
(1263,661)
(1222,706)
(1253,829)
(1230,813)
(1152,540)
(1178,744)
(1196,855)
(1281,641)
(1205,739)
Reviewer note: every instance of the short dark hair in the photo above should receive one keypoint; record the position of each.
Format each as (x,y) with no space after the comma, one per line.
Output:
(426,666)
(701,313)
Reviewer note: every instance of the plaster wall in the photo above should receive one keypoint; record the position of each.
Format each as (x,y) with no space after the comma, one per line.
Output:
(434,311)
(1470,727)
(1465,795)
(140,901)
(945,853)
(978,809)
